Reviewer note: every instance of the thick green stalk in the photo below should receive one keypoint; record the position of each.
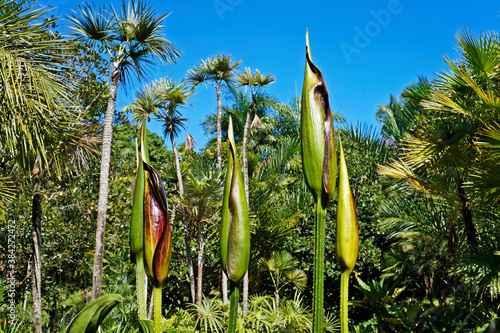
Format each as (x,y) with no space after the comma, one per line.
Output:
(157,309)
(344,290)
(233,307)
(140,281)
(137,225)
(319,267)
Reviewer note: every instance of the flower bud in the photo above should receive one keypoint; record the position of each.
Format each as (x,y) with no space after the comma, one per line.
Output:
(347,221)
(319,160)
(235,227)
(157,232)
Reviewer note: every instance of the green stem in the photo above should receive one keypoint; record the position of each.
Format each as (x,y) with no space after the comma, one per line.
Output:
(344,290)
(319,267)
(233,307)
(140,282)
(157,309)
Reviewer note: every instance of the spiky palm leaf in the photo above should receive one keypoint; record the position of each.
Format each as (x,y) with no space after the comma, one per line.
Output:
(35,105)
(482,265)
(295,315)
(213,71)
(132,35)
(210,315)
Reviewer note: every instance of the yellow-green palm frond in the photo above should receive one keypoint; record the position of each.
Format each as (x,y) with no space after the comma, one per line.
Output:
(7,194)
(34,99)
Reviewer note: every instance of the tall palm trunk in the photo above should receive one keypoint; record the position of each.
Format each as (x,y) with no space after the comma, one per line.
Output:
(244,307)
(245,140)
(201,248)
(225,299)
(36,220)
(187,238)
(219,128)
(104,184)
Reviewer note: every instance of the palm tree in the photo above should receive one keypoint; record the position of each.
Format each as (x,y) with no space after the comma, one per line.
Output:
(39,124)
(215,71)
(395,119)
(172,98)
(254,82)
(132,37)
(280,265)
(203,203)
(34,102)
(444,153)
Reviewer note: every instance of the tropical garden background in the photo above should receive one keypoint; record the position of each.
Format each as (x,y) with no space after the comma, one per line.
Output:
(426,185)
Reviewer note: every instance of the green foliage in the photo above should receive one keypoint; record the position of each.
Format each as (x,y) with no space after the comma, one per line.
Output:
(283,269)
(89,319)
(210,315)
(439,141)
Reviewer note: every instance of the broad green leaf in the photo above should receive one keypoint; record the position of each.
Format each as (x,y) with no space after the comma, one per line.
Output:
(89,319)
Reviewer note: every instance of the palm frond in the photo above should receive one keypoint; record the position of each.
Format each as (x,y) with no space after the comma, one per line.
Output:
(213,71)
(91,24)
(210,315)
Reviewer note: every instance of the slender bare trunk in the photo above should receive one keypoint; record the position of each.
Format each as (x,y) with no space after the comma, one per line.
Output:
(244,309)
(26,291)
(201,248)
(245,149)
(219,128)
(187,238)
(225,299)
(36,220)
(103,185)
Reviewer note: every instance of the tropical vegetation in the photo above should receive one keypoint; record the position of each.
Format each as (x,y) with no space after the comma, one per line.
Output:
(423,188)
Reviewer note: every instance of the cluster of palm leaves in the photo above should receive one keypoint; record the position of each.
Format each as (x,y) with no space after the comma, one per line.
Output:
(292,315)
(443,207)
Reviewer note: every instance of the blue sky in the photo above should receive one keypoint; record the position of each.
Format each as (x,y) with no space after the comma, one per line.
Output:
(365,49)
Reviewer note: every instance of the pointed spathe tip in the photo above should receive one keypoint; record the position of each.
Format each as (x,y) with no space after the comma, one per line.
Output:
(307,36)
(308,48)
(230,132)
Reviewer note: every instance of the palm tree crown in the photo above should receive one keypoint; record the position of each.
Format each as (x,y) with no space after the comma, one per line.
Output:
(130,36)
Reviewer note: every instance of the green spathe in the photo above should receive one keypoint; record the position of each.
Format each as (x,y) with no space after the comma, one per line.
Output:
(319,163)
(319,159)
(235,227)
(347,237)
(136,224)
(347,221)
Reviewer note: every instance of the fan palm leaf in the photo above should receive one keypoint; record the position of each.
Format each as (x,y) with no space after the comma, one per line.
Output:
(34,97)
